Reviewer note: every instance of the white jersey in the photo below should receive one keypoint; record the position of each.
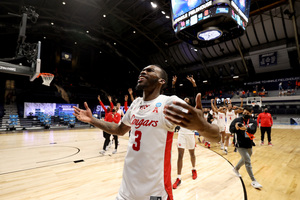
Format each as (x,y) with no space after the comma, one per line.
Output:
(215,117)
(147,165)
(205,115)
(221,119)
(120,112)
(230,116)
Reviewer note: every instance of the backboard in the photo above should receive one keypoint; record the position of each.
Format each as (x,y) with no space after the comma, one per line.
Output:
(32,71)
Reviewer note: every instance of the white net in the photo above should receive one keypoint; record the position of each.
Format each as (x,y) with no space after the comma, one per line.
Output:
(47,78)
(254,101)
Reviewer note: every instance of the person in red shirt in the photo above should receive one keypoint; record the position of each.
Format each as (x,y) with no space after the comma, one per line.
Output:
(115,117)
(266,123)
(108,109)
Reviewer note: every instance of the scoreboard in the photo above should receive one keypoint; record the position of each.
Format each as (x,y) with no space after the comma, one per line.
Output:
(207,22)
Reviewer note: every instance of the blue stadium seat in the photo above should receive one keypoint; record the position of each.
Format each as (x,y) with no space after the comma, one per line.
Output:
(72,121)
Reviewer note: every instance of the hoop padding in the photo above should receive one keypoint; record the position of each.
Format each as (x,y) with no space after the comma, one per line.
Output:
(47,78)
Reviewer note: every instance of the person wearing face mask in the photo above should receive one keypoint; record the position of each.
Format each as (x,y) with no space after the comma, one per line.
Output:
(244,129)
(266,123)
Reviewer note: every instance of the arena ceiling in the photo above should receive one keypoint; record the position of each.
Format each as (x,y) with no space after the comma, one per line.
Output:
(138,34)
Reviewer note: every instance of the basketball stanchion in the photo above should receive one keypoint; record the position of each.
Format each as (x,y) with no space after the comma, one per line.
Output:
(47,78)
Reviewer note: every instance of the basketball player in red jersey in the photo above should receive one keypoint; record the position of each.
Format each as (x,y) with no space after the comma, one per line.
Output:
(152,119)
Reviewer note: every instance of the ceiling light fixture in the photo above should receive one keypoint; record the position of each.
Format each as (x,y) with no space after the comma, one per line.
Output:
(235,77)
(87,31)
(64,3)
(134,32)
(75,42)
(205,81)
(52,23)
(104,15)
(154,5)
(167,16)
(163,12)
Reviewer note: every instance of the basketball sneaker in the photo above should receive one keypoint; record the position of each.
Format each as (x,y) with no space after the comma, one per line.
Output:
(177,183)
(115,151)
(222,146)
(236,172)
(270,144)
(256,185)
(208,145)
(194,174)
(262,143)
(102,152)
(225,151)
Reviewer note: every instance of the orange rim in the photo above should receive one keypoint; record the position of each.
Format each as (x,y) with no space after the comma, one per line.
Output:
(45,74)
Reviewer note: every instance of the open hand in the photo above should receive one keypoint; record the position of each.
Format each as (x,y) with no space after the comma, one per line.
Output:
(190,117)
(83,115)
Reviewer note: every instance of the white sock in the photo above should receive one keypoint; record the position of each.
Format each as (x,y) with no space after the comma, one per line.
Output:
(194,168)
(226,148)
(179,176)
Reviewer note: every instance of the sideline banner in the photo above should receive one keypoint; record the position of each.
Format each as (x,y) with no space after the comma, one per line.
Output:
(47,108)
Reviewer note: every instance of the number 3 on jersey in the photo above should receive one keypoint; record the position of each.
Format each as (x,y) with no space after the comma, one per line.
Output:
(138,135)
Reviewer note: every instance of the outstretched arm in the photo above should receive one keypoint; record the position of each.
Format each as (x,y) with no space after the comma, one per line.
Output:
(193,119)
(102,105)
(174,79)
(110,102)
(130,93)
(212,105)
(192,80)
(86,116)
(126,102)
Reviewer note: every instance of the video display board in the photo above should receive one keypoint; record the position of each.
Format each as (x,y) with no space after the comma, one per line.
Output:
(243,5)
(48,108)
(180,7)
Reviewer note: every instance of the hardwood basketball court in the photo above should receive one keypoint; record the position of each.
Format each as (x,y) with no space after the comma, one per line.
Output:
(66,164)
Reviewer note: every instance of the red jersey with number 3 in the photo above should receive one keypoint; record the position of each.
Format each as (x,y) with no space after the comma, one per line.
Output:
(147,167)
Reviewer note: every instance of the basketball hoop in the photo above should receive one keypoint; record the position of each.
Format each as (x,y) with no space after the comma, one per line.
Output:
(47,78)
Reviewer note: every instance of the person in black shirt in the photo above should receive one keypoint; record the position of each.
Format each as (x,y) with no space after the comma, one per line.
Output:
(244,129)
